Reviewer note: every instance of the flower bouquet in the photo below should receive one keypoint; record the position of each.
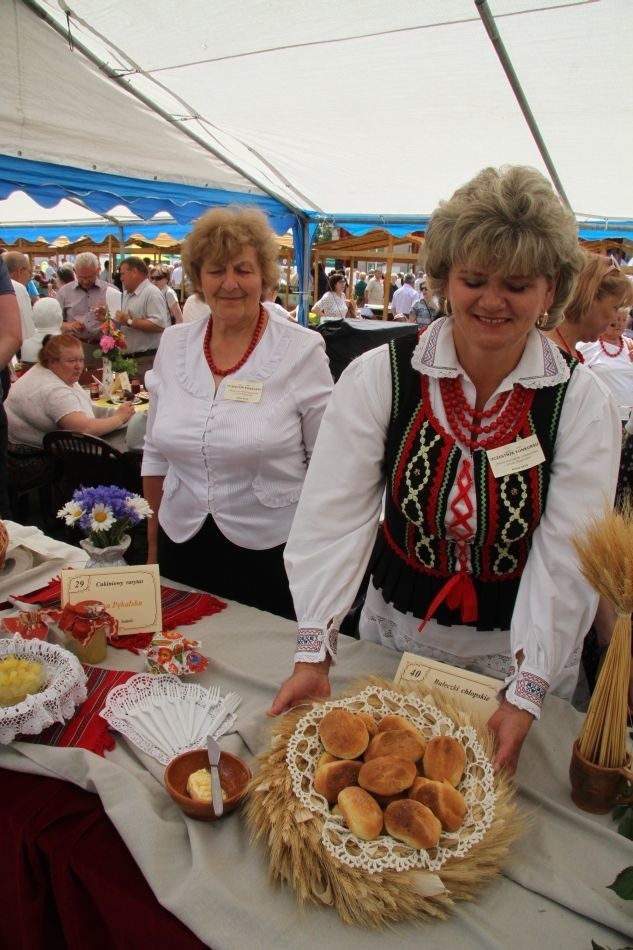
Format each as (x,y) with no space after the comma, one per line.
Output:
(105,513)
(111,346)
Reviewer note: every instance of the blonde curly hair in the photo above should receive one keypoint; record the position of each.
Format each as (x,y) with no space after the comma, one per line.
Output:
(508,220)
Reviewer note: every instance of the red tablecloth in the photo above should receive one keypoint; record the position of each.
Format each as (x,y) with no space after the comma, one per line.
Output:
(67,880)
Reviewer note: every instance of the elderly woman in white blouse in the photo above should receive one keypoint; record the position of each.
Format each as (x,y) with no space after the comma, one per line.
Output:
(236,404)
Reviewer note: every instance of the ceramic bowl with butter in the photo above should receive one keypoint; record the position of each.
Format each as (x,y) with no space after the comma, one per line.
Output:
(234,778)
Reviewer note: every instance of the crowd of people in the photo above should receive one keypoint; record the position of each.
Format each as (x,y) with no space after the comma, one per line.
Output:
(275,488)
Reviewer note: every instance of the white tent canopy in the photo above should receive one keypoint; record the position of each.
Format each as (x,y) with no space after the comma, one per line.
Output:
(340,110)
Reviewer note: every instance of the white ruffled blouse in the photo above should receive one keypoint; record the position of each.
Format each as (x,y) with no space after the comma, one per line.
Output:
(242,462)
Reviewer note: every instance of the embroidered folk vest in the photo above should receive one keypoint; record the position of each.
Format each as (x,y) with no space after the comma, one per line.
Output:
(413,558)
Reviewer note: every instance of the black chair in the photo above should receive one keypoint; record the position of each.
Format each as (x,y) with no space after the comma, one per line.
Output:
(86,461)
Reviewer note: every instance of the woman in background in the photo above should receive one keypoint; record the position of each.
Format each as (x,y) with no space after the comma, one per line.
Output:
(611,358)
(159,275)
(600,292)
(49,397)
(333,305)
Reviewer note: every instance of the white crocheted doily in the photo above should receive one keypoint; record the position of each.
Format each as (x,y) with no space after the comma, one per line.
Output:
(164,717)
(64,689)
(385,853)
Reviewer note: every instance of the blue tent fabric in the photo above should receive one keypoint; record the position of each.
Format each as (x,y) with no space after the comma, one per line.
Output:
(96,231)
(48,183)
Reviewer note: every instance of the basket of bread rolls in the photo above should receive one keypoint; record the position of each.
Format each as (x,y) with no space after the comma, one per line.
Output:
(382,803)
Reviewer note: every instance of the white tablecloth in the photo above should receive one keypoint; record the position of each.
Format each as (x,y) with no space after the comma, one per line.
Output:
(553,894)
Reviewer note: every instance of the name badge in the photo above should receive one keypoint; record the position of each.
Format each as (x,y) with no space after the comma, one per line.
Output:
(240,390)
(515,456)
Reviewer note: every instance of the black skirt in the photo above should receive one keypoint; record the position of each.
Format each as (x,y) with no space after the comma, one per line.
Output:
(211,562)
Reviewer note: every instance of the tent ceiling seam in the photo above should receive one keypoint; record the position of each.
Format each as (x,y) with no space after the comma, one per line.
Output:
(111,74)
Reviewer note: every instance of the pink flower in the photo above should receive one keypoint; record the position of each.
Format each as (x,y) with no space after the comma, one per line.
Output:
(106,343)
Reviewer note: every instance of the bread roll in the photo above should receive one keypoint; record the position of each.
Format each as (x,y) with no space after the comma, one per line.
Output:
(343,734)
(361,812)
(387,775)
(412,823)
(402,742)
(396,722)
(445,802)
(444,758)
(333,777)
(370,722)
(326,757)
(384,800)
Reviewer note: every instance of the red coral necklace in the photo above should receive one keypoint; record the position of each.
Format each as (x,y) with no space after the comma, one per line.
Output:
(605,350)
(249,349)
(465,420)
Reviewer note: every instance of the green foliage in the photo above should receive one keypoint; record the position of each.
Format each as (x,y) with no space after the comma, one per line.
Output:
(623,884)
(123,364)
(623,814)
(323,233)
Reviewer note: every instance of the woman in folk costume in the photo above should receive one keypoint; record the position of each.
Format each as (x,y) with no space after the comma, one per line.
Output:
(491,446)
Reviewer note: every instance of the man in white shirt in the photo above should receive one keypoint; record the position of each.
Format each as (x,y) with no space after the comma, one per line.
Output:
(404,297)
(20,271)
(144,313)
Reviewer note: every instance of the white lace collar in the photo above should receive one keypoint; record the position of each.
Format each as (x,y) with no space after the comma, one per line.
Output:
(540,365)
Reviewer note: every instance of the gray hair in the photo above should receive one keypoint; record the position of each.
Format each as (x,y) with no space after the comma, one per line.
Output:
(15,260)
(87,259)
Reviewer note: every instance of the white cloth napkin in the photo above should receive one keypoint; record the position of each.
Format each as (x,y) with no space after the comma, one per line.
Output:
(39,559)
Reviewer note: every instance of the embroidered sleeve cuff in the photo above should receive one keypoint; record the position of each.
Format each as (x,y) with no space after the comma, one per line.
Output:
(526,689)
(314,644)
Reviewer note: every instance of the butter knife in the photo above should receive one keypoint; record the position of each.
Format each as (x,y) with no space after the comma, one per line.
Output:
(216,789)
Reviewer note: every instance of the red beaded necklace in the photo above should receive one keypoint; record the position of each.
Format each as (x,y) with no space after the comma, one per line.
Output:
(465,420)
(606,352)
(577,355)
(249,349)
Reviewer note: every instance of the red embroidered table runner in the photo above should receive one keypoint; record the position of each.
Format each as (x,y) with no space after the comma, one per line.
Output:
(86,729)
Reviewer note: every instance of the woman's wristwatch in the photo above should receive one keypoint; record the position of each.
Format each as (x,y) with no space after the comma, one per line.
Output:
(130,321)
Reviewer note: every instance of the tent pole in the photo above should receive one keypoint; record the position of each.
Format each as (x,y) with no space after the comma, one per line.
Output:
(491,28)
(304,279)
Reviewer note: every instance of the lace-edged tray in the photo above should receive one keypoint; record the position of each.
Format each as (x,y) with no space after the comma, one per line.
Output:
(163,716)
(385,853)
(64,689)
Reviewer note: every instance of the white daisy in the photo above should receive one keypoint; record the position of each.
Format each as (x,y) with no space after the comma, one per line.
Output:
(71,512)
(101,518)
(139,506)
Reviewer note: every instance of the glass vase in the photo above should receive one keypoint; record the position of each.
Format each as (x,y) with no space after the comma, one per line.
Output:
(107,377)
(111,556)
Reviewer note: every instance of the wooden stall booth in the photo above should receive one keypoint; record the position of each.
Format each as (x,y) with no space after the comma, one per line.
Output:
(377,247)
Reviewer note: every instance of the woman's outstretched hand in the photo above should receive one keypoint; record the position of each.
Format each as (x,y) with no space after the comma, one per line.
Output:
(510,726)
(308,681)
